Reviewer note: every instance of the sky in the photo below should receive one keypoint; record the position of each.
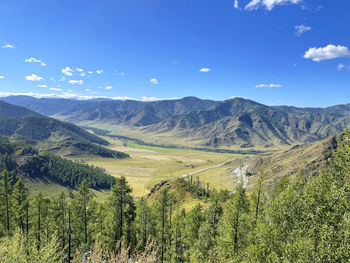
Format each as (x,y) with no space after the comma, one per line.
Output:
(276,52)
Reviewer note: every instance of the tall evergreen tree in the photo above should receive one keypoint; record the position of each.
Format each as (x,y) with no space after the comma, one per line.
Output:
(121,202)
(234,223)
(20,204)
(5,194)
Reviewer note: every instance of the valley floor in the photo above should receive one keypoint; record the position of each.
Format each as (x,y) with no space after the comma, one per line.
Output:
(150,165)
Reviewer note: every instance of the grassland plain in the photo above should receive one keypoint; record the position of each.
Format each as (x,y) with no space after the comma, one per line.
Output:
(149,165)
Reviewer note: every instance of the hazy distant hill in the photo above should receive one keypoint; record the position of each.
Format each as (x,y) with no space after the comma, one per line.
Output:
(236,121)
(15,120)
(133,112)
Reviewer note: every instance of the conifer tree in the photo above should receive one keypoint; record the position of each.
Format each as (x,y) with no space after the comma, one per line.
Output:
(5,192)
(20,204)
(120,201)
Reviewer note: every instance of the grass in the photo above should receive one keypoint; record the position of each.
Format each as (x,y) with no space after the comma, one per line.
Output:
(149,165)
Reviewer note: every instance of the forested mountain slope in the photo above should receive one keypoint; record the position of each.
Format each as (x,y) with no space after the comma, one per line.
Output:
(18,121)
(24,161)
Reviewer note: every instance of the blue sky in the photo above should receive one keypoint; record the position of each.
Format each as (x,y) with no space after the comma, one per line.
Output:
(294,52)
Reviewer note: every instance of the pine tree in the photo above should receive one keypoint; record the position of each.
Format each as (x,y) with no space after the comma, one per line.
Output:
(120,200)
(81,203)
(233,228)
(5,192)
(144,222)
(20,204)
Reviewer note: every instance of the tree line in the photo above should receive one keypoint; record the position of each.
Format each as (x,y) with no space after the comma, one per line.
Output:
(299,219)
(25,161)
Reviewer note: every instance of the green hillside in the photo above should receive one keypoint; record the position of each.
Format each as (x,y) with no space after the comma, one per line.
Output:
(18,121)
(24,161)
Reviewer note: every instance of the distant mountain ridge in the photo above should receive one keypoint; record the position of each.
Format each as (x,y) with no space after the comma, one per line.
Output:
(237,121)
(19,121)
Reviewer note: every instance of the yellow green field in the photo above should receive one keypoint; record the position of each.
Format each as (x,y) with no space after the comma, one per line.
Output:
(149,165)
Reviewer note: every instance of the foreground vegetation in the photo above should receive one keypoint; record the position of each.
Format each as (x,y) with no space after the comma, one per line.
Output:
(304,219)
(24,161)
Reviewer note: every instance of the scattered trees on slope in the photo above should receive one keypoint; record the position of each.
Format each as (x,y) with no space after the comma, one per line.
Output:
(304,219)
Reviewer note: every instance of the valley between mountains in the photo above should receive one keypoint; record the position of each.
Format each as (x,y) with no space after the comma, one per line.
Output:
(158,142)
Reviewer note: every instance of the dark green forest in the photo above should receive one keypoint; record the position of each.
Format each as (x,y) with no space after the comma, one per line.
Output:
(301,219)
(25,161)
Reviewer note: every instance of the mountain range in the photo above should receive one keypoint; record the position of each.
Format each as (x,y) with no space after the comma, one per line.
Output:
(22,122)
(240,122)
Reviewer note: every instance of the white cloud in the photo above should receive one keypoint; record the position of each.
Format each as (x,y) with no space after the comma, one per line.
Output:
(80,82)
(327,52)
(154,81)
(236,4)
(99,71)
(90,72)
(87,90)
(79,69)
(8,46)
(34,77)
(67,71)
(70,90)
(34,60)
(144,98)
(63,79)
(109,87)
(2,77)
(340,67)
(82,74)
(65,95)
(268,86)
(269,4)
(56,89)
(205,70)
(300,29)
(42,86)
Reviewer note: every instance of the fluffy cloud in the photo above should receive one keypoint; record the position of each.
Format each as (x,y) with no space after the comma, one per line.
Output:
(56,89)
(236,4)
(34,60)
(268,86)
(99,71)
(42,86)
(79,69)
(87,90)
(8,46)
(82,74)
(72,81)
(154,81)
(327,52)
(2,77)
(205,70)
(34,77)
(269,4)
(109,87)
(67,71)
(90,72)
(300,29)
(144,98)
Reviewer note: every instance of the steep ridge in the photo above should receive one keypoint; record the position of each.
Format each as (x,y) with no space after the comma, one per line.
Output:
(133,113)
(247,123)
(240,122)
(18,121)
